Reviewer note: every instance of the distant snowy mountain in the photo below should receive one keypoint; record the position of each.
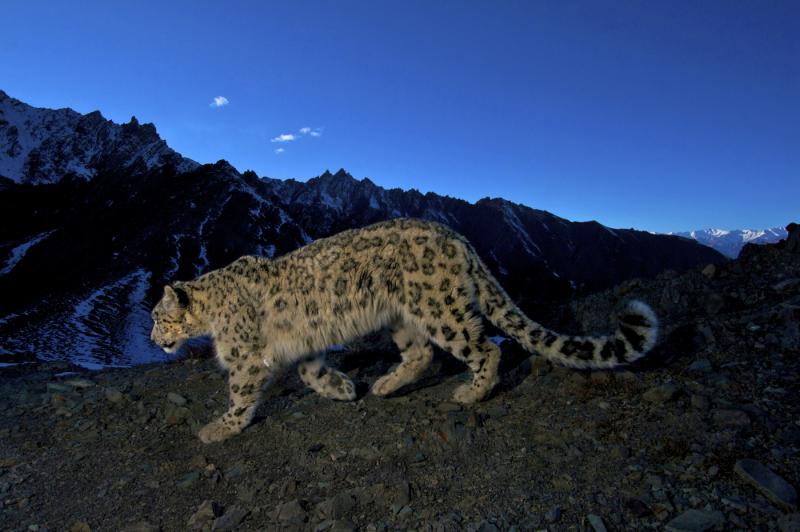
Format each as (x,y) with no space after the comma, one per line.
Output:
(731,242)
(46,145)
(84,259)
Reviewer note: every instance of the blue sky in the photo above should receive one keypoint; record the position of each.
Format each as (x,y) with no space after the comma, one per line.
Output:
(656,115)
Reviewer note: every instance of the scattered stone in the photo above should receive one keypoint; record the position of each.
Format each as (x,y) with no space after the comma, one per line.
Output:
(695,521)
(700,402)
(773,486)
(626,377)
(660,394)
(342,526)
(206,512)
(789,523)
(80,526)
(114,395)
(496,411)
(737,521)
(483,526)
(237,471)
(188,480)
(176,415)
(370,454)
(731,418)
(701,365)
(58,387)
(336,507)
(447,406)
(575,378)
(292,513)
(324,525)
(232,517)
(709,271)
(638,507)
(597,523)
(198,461)
(554,515)
(600,378)
(141,526)
(176,399)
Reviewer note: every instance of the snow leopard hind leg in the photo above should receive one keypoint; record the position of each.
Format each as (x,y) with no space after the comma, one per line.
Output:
(460,333)
(416,353)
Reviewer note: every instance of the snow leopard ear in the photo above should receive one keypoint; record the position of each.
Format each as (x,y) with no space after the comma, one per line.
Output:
(175,298)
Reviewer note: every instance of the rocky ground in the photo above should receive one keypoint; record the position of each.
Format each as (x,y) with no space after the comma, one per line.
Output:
(704,435)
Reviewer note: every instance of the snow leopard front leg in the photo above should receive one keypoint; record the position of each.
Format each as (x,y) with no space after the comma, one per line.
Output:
(246,378)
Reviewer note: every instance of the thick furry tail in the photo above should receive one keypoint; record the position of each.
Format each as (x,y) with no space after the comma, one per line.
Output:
(635,336)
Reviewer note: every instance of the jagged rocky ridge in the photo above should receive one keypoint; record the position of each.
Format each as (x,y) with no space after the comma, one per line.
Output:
(86,260)
(47,145)
(702,436)
(84,257)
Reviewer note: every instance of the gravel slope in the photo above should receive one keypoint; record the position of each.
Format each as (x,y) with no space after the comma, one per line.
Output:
(668,444)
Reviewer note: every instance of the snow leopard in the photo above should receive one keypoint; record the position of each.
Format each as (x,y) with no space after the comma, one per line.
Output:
(420,279)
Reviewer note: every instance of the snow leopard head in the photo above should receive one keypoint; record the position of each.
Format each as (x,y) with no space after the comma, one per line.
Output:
(173,319)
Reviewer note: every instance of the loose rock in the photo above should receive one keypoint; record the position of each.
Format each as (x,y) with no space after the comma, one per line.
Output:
(232,517)
(701,365)
(789,523)
(730,418)
(596,522)
(141,526)
(773,486)
(336,507)
(695,521)
(292,513)
(660,394)
(206,512)
(553,515)
(176,399)
(114,395)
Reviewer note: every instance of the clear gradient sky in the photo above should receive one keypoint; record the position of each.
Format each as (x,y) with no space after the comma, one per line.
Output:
(664,116)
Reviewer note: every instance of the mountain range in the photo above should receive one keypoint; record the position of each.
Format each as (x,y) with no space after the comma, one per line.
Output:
(95,217)
(731,242)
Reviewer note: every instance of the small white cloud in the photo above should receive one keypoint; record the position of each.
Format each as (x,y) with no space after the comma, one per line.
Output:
(316,133)
(305,130)
(285,137)
(279,150)
(219,101)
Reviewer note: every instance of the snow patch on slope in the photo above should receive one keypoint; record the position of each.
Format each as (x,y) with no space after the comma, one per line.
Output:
(18,253)
(527,242)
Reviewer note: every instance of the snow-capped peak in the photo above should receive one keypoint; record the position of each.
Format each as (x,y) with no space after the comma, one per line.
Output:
(730,242)
(40,145)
